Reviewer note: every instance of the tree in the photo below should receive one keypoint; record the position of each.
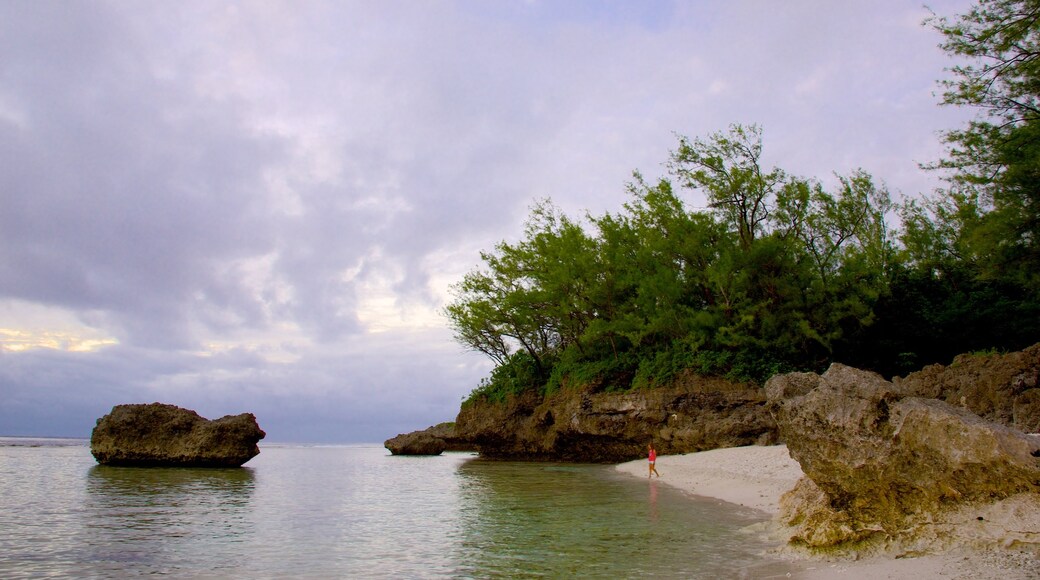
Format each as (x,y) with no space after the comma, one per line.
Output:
(664,252)
(727,168)
(1002,39)
(774,275)
(533,295)
(995,160)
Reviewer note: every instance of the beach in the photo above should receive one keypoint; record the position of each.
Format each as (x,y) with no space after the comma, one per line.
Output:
(757,476)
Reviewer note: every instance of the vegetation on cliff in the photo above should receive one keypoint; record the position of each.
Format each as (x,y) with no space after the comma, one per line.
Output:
(778,272)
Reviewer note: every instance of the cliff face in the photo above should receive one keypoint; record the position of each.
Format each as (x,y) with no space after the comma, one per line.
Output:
(1003,388)
(700,413)
(581,425)
(884,466)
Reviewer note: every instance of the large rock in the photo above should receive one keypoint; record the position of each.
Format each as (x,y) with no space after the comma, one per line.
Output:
(166,435)
(1004,388)
(881,464)
(416,443)
(583,425)
(423,442)
(446,432)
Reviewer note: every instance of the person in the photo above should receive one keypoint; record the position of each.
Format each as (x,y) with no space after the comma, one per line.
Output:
(653,460)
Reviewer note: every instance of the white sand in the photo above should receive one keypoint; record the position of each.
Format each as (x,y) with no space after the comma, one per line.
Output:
(757,476)
(749,476)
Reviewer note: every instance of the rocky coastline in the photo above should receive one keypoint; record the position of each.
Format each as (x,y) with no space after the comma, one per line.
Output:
(602,427)
(583,425)
(905,467)
(698,413)
(886,470)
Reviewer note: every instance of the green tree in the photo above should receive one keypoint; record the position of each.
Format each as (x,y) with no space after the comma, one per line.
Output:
(727,168)
(969,273)
(810,264)
(774,275)
(995,160)
(532,296)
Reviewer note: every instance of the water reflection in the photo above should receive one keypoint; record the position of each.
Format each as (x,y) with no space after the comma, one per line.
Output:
(653,501)
(585,520)
(231,483)
(157,519)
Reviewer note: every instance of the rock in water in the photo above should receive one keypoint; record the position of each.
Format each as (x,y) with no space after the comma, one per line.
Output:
(882,463)
(416,443)
(167,435)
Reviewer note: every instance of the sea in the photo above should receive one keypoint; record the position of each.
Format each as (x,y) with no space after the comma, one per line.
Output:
(355,511)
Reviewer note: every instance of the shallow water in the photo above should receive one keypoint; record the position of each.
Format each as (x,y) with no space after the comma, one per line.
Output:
(356,511)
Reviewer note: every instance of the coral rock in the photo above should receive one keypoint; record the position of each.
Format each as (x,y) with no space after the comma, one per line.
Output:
(417,443)
(885,462)
(165,435)
(588,426)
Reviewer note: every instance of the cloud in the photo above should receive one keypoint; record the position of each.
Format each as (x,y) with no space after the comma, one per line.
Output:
(260,207)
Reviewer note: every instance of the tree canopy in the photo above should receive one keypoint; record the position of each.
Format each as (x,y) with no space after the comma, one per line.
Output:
(993,202)
(779,272)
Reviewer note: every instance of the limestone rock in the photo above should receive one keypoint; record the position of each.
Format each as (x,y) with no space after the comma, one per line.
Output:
(589,426)
(885,462)
(417,443)
(446,432)
(1004,388)
(166,435)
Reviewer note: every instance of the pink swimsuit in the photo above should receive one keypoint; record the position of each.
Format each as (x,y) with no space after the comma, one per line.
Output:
(653,456)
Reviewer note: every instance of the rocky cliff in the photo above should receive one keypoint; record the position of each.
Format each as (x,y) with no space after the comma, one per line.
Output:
(883,465)
(588,426)
(697,413)
(1004,388)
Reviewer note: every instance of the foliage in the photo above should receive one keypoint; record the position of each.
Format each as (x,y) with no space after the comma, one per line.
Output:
(994,162)
(767,279)
(515,375)
(778,273)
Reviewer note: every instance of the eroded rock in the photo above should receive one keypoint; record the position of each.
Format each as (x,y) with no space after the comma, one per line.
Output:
(882,463)
(417,443)
(588,426)
(157,434)
(1004,388)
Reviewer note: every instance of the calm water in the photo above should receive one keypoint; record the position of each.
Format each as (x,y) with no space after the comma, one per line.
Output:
(356,511)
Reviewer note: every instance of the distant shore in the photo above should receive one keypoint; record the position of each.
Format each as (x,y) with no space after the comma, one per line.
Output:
(758,476)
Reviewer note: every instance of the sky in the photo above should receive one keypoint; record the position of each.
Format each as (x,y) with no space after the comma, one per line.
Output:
(262,206)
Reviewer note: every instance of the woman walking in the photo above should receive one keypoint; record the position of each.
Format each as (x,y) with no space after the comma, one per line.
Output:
(653,460)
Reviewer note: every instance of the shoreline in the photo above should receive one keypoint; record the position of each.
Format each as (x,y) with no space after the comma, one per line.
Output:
(757,476)
(754,476)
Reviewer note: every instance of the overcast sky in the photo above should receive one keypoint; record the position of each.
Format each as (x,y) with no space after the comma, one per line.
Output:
(260,206)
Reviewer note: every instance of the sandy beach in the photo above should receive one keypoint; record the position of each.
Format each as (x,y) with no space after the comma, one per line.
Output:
(757,476)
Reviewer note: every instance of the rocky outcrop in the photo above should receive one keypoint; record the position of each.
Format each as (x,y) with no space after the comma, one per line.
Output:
(1004,388)
(425,442)
(416,443)
(165,435)
(697,413)
(881,464)
(588,426)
